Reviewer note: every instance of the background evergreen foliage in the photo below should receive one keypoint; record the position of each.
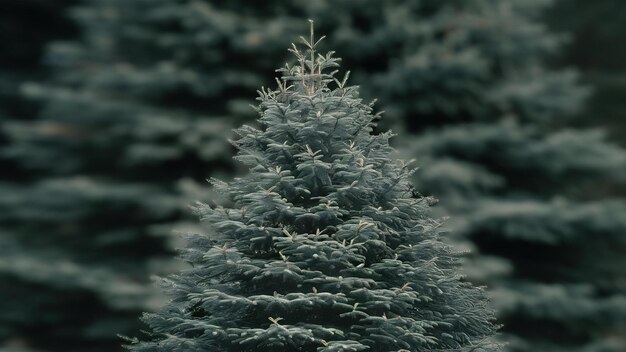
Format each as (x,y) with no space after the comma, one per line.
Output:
(529,196)
(322,246)
(137,112)
(25,27)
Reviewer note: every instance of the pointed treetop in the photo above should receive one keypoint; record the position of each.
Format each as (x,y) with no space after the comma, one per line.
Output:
(310,71)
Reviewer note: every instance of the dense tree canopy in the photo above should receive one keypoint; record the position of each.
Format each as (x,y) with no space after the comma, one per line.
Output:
(322,246)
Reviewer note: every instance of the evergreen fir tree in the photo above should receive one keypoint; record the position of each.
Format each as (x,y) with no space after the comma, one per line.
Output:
(321,246)
(529,195)
(25,27)
(84,214)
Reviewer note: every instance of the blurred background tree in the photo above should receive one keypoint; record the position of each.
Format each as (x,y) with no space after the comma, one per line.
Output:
(25,27)
(528,194)
(134,117)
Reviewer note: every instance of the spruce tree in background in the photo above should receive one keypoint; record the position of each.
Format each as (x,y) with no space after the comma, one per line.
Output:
(528,195)
(25,27)
(80,230)
(323,247)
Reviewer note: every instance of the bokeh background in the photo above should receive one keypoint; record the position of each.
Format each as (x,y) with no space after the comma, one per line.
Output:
(114,112)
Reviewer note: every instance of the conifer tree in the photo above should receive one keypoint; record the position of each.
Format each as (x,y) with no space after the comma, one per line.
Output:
(322,246)
(25,27)
(531,197)
(82,226)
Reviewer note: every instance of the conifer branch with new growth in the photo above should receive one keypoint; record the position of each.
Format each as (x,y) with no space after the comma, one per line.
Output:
(323,248)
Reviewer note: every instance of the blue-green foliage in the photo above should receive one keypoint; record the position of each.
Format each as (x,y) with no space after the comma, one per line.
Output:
(322,246)
(531,198)
(95,185)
